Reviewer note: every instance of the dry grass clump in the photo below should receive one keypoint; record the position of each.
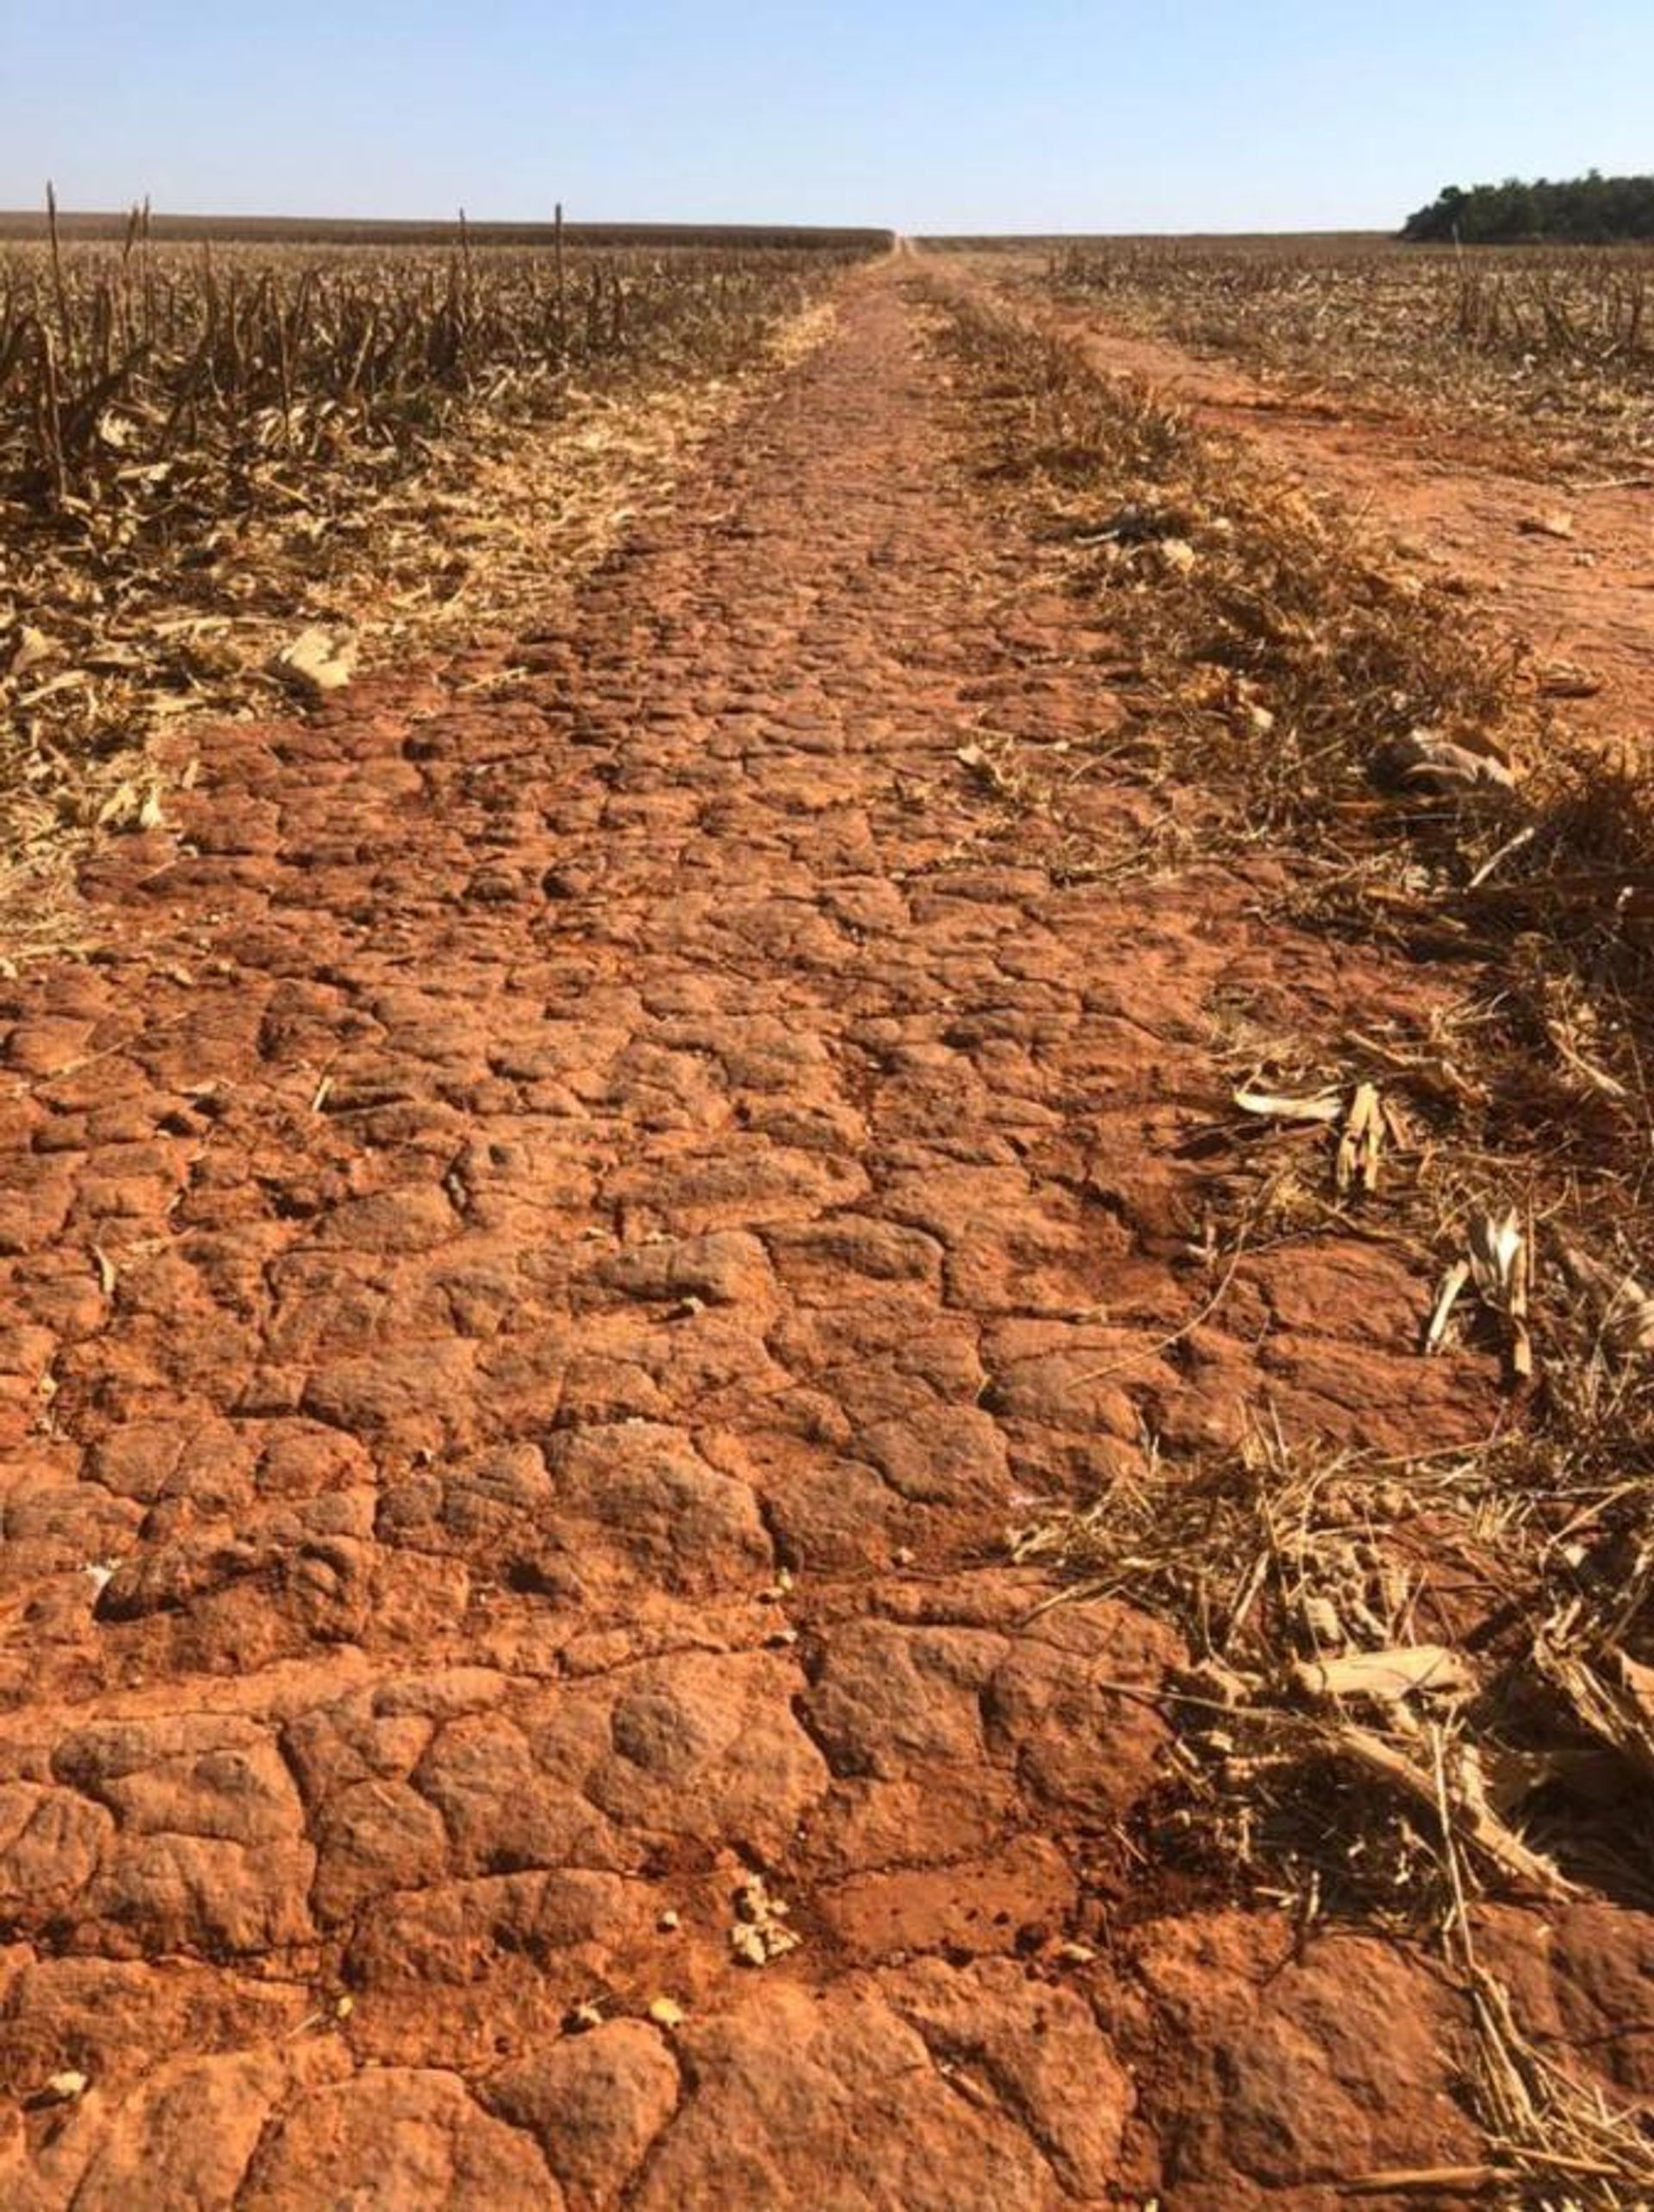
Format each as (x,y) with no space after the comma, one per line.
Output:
(1412,1685)
(1547,349)
(1396,1660)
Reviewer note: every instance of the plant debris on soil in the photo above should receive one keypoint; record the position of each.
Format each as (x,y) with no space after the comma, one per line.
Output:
(230,475)
(1414,1682)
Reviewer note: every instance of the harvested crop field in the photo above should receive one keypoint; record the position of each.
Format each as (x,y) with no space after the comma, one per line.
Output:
(827,1374)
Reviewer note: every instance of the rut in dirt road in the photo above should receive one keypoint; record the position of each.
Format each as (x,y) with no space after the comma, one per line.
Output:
(546,1254)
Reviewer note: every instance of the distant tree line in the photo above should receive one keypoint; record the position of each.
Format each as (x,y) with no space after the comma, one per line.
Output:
(1592,210)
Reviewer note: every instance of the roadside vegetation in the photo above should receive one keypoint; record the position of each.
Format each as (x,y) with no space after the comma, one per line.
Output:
(1416,1684)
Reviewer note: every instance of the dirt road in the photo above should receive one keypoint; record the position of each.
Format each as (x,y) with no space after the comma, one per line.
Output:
(580,1198)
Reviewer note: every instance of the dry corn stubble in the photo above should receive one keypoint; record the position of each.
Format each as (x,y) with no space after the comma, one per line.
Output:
(1283,668)
(1546,353)
(226,472)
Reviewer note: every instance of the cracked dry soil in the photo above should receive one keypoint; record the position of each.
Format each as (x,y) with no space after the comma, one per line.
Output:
(543,1257)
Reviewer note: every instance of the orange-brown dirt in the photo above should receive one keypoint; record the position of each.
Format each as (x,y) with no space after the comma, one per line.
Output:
(544,1254)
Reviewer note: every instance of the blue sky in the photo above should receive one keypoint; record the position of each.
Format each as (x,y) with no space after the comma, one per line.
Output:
(923,115)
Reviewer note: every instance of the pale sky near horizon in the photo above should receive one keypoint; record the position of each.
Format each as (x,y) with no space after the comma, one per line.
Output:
(924,116)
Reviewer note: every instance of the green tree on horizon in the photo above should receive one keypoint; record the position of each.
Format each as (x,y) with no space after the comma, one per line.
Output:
(1588,210)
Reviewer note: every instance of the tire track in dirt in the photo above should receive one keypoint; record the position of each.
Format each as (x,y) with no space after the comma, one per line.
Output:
(543,1256)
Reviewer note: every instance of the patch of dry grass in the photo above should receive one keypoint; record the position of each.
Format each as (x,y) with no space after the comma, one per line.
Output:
(1357,1740)
(1291,655)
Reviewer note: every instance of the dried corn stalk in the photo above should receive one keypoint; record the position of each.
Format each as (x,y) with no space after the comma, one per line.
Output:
(1502,1265)
(1387,1677)
(1499,1264)
(1326,1106)
(1425,760)
(1447,1296)
(1361,1117)
(1456,1795)
(1612,1698)
(1361,1141)
(1624,1310)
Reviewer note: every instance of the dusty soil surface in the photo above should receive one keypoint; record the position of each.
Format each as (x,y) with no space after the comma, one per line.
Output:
(1562,565)
(542,1258)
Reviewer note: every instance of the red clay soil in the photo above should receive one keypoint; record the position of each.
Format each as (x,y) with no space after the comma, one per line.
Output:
(543,1257)
(1581,605)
